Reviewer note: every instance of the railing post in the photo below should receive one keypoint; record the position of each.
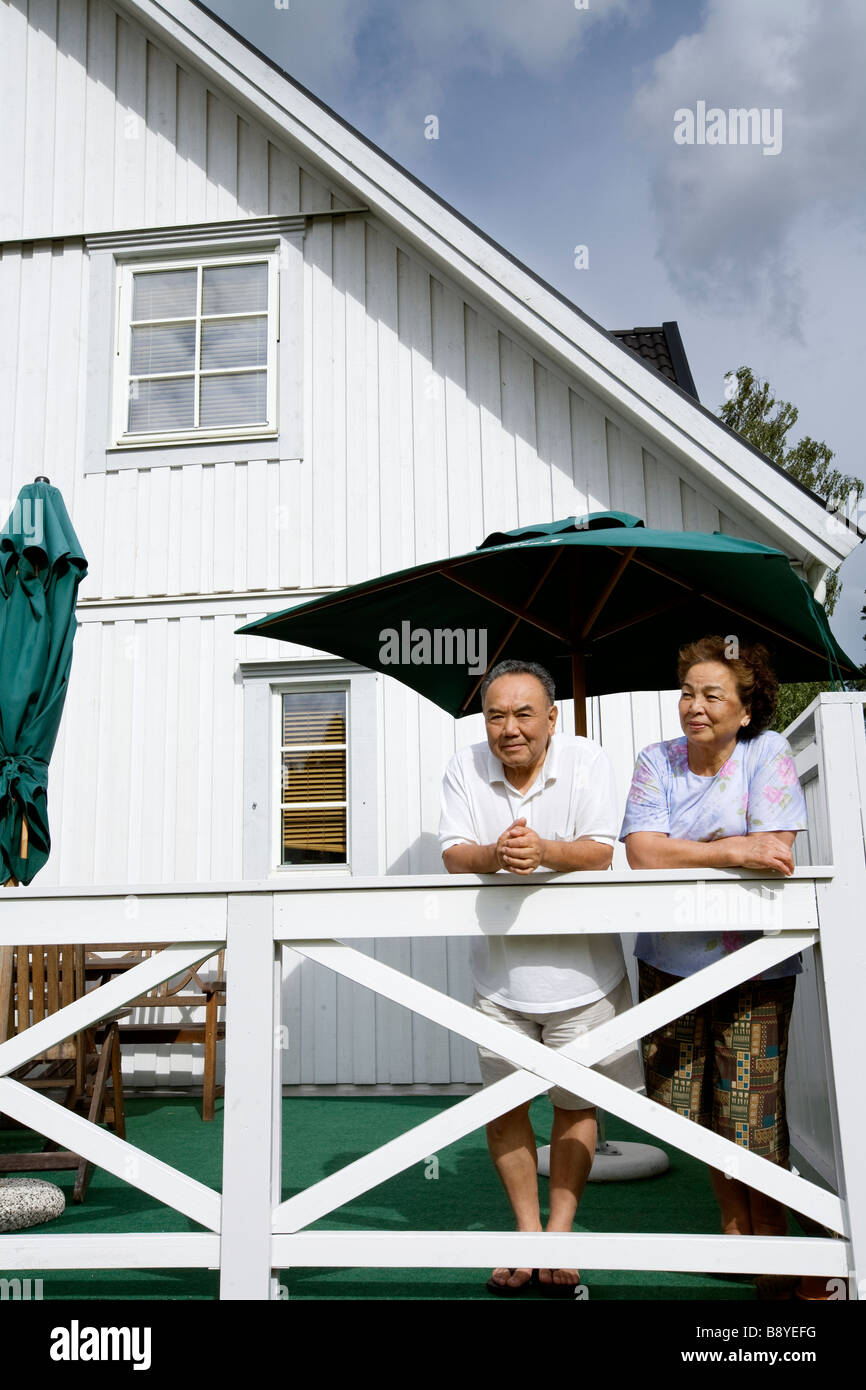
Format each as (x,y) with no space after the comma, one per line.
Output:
(842,748)
(251,1143)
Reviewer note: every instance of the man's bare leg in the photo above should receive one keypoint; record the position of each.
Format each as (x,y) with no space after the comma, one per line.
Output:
(511,1142)
(572,1146)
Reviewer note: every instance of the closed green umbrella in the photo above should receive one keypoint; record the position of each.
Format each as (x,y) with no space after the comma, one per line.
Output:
(41,567)
(602,601)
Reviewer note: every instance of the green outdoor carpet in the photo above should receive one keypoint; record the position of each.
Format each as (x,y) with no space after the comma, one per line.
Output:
(320,1135)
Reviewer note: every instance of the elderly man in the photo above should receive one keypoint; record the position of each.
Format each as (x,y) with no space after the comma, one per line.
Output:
(525,801)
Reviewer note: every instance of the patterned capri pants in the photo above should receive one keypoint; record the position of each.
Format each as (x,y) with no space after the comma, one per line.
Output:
(724,1065)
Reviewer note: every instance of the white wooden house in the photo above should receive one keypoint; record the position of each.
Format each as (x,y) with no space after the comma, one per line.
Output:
(411,387)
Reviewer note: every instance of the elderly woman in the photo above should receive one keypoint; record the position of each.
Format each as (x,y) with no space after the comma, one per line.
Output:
(725,795)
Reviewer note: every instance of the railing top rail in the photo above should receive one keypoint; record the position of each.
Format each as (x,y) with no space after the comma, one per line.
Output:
(801,730)
(326,882)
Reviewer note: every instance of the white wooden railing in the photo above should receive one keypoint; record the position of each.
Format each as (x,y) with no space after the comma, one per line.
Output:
(249,1232)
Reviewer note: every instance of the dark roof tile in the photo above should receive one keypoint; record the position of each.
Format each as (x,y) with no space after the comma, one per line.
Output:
(661,348)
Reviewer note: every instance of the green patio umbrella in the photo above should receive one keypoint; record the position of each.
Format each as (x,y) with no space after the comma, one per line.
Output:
(41,567)
(602,601)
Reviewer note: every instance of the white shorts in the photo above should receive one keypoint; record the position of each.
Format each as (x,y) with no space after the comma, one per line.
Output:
(556,1030)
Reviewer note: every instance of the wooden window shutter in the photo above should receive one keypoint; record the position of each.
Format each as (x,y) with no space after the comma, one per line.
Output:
(313,771)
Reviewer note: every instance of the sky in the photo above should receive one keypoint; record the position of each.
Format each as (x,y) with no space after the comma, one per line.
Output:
(557,128)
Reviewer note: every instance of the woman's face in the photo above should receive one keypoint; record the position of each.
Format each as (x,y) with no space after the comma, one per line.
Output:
(711,712)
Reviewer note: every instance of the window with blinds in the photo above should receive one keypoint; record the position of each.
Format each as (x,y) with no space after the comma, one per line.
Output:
(200,349)
(313,777)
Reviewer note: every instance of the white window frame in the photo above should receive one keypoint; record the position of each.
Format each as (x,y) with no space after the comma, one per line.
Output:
(264,685)
(111,256)
(123,437)
(277,693)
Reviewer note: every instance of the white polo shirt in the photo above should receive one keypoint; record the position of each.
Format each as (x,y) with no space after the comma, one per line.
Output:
(573,796)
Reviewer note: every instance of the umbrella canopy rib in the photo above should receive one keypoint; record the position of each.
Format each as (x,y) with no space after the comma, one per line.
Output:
(606,592)
(645,615)
(520,617)
(710,597)
(521,614)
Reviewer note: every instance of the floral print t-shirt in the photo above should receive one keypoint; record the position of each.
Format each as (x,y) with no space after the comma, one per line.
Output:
(757,789)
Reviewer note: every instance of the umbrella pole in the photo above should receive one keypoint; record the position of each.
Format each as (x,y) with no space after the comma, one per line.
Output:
(25,844)
(622,1161)
(7,959)
(578,686)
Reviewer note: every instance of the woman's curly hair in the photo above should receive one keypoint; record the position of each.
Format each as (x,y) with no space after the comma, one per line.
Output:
(756,682)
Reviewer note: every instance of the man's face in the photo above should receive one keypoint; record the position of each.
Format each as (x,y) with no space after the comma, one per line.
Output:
(519,720)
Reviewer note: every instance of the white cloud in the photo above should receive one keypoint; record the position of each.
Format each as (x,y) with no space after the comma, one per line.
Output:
(729,215)
(421,49)
(429,39)
(540,36)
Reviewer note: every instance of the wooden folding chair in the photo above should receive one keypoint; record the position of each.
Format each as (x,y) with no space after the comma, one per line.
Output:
(188,991)
(36,981)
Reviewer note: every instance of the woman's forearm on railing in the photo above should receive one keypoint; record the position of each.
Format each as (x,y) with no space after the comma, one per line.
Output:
(769,850)
(646,849)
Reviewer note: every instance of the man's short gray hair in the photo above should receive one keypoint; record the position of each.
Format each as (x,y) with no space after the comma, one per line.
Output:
(519,668)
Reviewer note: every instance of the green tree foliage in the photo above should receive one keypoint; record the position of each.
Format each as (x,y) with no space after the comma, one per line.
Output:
(753,411)
(793,699)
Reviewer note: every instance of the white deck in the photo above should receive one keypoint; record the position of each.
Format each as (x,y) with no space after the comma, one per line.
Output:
(250,1232)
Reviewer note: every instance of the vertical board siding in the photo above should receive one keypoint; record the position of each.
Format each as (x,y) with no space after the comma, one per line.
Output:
(519,412)
(362,491)
(191,146)
(222,160)
(455,433)
(252,169)
(146,779)
(130,123)
(553,426)
(699,512)
(41,361)
(662,490)
(403,468)
(71,101)
(426,490)
(11,477)
(589,453)
(40,98)
(13,154)
(196,529)
(382,309)
(484,388)
(159,136)
(168,149)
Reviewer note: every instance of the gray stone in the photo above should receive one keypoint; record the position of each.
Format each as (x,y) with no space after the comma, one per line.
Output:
(28,1202)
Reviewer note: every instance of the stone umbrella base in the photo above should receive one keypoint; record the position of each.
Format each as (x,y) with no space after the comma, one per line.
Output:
(28,1202)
